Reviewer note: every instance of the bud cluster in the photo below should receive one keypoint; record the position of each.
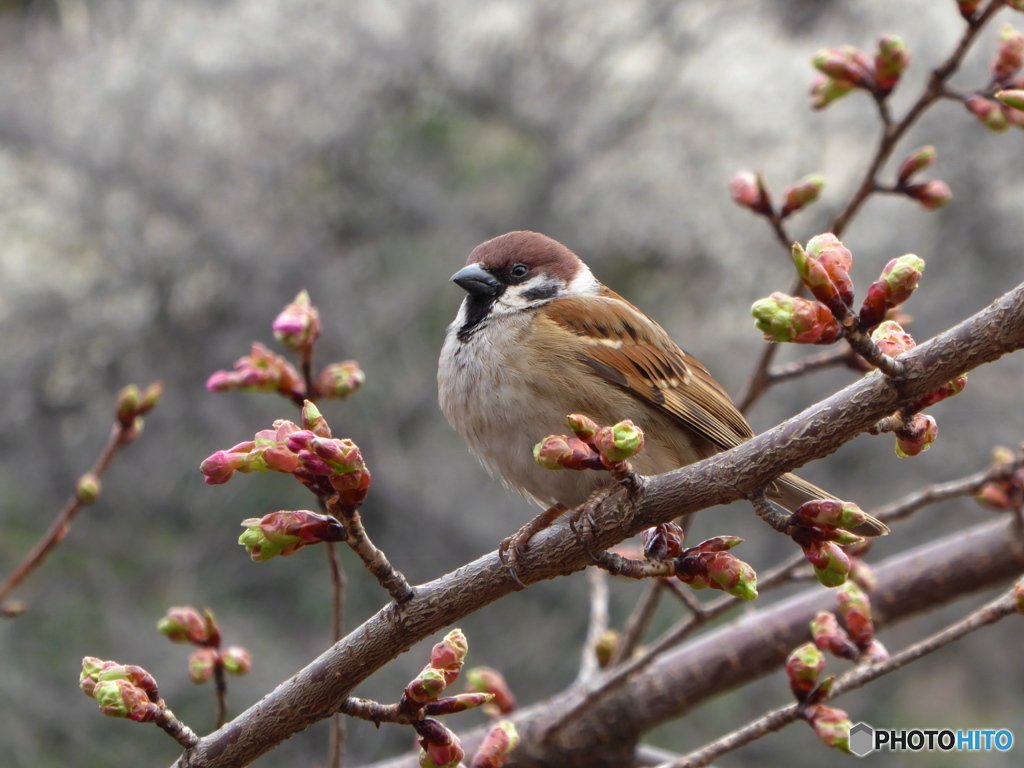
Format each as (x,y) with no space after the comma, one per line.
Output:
(132,405)
(847,68)
(592,447)
(707,565)
(857,641)
(185,625)
(121,690)
(324,464)
(1007,107)
(1006,493)
(819,529)
(750,190)
(296,328)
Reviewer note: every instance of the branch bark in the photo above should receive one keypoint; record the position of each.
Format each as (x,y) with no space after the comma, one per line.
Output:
(315,692)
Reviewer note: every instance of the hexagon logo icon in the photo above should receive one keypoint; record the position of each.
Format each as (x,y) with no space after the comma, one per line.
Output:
(862,739)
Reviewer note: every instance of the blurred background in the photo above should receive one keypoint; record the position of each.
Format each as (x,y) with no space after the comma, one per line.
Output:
(172,174)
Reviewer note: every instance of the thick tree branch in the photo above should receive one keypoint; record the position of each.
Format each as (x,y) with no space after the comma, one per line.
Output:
(315,692)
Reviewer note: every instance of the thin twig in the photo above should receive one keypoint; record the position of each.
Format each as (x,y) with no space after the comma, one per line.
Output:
(336,746)
(220,682)
(855,678)
(58,530)
(597,584)
(638,622)
(374,560)
(176,729)
(827,359)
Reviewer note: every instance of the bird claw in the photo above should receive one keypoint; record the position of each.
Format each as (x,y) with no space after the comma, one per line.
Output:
(512,548)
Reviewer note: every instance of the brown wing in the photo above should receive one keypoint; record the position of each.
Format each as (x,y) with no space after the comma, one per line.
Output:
(630,350)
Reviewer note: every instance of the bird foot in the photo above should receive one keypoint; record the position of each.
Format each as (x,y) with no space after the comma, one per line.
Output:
(512,548)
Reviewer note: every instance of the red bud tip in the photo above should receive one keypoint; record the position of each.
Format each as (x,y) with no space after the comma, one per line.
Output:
(802,193)
(803,667)
(916,436)
(298,326)
(497,746)
(914,163)
(748,190)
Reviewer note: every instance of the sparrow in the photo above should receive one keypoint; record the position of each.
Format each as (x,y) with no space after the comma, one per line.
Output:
(537,337)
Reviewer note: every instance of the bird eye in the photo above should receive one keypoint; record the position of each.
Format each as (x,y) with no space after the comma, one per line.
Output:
(519,270)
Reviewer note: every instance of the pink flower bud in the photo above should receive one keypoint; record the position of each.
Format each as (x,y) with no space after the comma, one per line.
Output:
(802,193)
(988,112)
(917,161)
(748,190)
(832,726)
(487,680)
(932,195)
(552,452)
(237,660)
(426,686)
(843,64)
(803,666)
(792,318)
(298,325)
(831,565)
(892,339)
(441,748)
(183,624)
(1009,54)
(201,664)
(825,90)
(891,60)
(917,436)
(450,654)
(829,636)
(732,575)
(843,514)
(855,608)
(340,381)
(120,698)
(497,746)
(583,427)
(452,705)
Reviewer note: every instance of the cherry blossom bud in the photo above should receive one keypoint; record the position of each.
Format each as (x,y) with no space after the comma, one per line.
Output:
(917,161)
(497,746)
(748,190)
(619,442)
(184,624)
(830,725)
(552,452)
(862,574)
(583,427)
(452,705)
(606,646)
(732,575)
(450,654)
(120,698)
(312,420)
(149,397)
(932,195)
(1012,97)
(855,608)
(87,489)
(298,325)
(426,686)
(803,666)
(286,532)
(968,8)
(201,664)
(488,680)
(988,112)
(236,659)
(1009,54)
(663,541)
(891,60)
(824,268)
(894,286)
(96,671)
(440,748)
(792,318)
(825,90)
(843,514)
(875,652)
(261,371)
(340,381)
(892,339)
(845,64)
(802,193)
(829,636)
(917,436)
(831,565)
(128,405)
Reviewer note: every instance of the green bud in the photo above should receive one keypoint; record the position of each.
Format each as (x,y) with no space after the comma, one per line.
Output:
(87,489)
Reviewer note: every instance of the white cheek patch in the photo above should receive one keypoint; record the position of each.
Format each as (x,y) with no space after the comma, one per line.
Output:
(583,282)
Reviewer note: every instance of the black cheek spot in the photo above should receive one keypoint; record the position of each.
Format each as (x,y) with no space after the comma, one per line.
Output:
(541,292)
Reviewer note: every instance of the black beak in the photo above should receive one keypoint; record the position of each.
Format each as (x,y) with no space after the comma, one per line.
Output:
(476,281)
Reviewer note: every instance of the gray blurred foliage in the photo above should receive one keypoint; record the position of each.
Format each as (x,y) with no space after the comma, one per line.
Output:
(171,174)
